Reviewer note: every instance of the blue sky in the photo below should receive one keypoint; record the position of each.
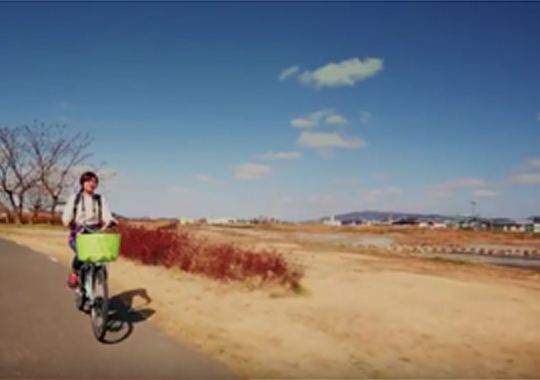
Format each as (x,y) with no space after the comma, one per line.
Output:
(288,109)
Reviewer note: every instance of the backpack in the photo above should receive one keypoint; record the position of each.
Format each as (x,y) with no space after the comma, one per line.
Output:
(95,197)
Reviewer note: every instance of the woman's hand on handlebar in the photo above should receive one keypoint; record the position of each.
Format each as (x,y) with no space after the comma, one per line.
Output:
(111,225)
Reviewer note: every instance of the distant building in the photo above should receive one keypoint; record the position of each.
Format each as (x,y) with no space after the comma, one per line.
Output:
(352,221)
(534,224)
(332,221)
(496,224)
(432,224)
(219,220)
(405,222)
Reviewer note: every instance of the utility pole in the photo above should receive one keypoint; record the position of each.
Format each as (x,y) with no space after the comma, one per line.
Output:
(473,215)
(473,208)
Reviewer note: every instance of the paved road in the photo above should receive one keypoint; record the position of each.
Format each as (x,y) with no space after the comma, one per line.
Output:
(43,336)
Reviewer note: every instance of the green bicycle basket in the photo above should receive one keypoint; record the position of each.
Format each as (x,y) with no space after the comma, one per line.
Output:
(98,247)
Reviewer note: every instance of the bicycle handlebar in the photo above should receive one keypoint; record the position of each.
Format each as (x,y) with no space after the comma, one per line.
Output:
(110,225)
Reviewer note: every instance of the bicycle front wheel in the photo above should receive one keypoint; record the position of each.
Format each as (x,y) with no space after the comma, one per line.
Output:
(100,308)
(80,296)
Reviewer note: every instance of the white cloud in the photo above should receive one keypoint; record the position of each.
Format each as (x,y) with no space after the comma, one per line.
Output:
(374,195)
(485,193)
(180,189)
(325,153)
(528,166)
(380,176)
(318,198)
(329,140)
(348,181)
(289,71)
(524,170)
(251,171)
(336,119)
(284,199)
(132,183)
(393,190)
(344,73)
(534,163)
(446,188)
(365,117)
(466,182)
(206,178)
(311,120)
(525,179)
(279,156)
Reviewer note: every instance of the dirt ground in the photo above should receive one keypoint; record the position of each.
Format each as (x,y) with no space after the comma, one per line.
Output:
(403,234)
(364,315)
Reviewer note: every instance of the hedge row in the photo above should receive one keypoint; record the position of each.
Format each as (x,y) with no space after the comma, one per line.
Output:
(223,262)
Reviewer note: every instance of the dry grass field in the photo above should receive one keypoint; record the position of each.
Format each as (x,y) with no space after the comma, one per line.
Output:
(406,235)
(363,313)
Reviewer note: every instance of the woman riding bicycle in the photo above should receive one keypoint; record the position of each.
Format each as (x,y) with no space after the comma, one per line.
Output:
(84,211)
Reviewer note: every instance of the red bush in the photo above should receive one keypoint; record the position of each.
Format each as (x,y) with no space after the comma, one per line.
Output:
(224,262)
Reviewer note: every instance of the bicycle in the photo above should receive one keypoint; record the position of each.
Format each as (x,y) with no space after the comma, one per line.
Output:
(95,249)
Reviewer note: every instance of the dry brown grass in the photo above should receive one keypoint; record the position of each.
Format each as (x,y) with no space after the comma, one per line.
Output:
(460,237)
(366,315)
(408,235)
(154,223)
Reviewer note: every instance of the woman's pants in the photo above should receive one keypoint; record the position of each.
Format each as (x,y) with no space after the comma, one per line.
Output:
(76,264)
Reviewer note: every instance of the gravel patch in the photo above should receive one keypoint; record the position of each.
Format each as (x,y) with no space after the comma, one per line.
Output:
(355,241)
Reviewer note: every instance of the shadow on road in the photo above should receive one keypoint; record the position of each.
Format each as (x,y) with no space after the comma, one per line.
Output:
(122,316)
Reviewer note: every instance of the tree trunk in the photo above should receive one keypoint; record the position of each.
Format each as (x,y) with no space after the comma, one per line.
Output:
(20,214)
(16,218)
(20,207)
(35,214)
(13,211)
(53,211)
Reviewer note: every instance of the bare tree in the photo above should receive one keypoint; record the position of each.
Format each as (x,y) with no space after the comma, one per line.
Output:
(17,171)
(57,158)
(4,212)
(39,167)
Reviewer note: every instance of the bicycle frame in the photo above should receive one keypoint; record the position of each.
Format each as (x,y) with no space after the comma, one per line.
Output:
(86,276)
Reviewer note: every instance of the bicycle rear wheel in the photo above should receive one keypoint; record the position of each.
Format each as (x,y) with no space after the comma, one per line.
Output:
(100,308)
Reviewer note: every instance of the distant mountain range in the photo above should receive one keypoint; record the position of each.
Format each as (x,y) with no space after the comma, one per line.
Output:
(384,216)
(118,216)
